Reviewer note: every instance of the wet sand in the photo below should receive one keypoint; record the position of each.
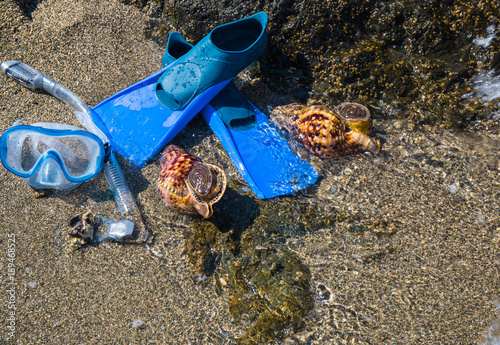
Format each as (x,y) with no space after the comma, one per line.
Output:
(419,266)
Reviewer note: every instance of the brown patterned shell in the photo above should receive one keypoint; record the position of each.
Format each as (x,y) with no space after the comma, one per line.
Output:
(323,132)
(188,185)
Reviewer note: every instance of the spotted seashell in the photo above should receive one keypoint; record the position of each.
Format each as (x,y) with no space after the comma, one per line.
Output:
(188,185)
(326,133)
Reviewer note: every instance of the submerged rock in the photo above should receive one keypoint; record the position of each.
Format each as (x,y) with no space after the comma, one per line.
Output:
(269,287)
(269,290)
(246,257)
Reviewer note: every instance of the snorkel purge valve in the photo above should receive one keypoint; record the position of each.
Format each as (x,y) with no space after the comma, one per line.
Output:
(32,79)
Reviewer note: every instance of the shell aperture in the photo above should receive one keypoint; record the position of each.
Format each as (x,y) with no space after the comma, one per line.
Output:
(356,115)
(200,178)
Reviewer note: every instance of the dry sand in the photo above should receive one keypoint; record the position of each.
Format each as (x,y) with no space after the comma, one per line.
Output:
(420,267)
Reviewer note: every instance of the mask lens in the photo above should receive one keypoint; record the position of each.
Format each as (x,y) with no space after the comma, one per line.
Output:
(75,153)
(29,156)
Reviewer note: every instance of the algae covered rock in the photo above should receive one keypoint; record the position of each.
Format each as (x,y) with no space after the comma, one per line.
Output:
(246,257)
(268,286)
(269,290)
(406,58)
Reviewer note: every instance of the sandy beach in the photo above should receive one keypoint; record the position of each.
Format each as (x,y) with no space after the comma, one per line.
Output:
(412,258)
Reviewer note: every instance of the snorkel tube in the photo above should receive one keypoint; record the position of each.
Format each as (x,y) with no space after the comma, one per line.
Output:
(32,79)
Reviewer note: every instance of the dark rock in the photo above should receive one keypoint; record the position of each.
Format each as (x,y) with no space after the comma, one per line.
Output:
(406,58)
(27,6)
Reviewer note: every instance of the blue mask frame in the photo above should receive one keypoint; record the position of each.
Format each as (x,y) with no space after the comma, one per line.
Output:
(7,147)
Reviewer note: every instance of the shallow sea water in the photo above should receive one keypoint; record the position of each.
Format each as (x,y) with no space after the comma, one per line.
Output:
(413,257)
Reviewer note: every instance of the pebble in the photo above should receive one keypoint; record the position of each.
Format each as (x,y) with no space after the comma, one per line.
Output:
(137,323)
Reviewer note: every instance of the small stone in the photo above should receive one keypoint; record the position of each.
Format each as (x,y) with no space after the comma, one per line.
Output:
(398,124)
(453,188)
(496,238)
(137,323)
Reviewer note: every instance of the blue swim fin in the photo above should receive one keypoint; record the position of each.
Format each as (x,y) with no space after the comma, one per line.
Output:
(144,117)
(139,125)
(261,154)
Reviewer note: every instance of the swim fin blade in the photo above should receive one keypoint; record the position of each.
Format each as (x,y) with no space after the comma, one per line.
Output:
(139,125)
(262,155)
(144,117)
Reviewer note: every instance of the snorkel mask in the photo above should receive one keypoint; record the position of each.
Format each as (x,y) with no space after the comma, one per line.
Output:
(52,155)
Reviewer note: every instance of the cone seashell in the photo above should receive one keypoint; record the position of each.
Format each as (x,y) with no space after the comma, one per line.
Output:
(188,185)
(326,133)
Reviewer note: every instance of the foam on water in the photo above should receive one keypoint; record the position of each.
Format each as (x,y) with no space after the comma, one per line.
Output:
(485,42)
(486,87)
(492,333)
